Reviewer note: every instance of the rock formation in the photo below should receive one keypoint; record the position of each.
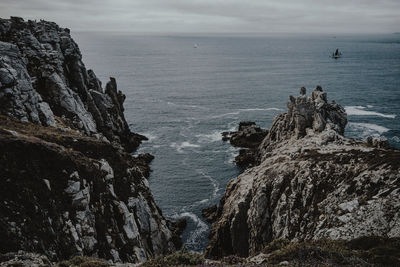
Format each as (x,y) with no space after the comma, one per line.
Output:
(248,137)
(42,76)
(68,184)
(310,183)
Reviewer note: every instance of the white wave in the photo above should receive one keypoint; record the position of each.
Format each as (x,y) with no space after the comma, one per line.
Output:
(396,139)
(368,129)
(185,105)
(214,183)
(360,111)
(233,113)
(229,114)
(150,136)
(260,109)
(201,228)
(179,147)
(210,138)
(232,153)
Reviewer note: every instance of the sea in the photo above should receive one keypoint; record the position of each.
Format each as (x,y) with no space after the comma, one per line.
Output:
(182,91)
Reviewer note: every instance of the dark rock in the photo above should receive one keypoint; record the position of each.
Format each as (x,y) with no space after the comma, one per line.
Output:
(246,158)
(210,213)
(146,157)
(226,136)
(67,194)
(67,183)
(249,135)
(177,227)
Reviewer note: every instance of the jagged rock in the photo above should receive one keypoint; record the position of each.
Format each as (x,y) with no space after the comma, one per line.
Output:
(42,76)
(380,142)
(246,158)
(146,157)
(249,135)
(177,227)
(67,194)
(210,213)
(306,113)
(310,183)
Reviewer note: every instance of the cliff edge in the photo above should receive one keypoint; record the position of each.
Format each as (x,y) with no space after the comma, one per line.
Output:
(68,184)
(310,183)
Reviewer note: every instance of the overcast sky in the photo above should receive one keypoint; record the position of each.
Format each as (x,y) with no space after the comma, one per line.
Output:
(214,16)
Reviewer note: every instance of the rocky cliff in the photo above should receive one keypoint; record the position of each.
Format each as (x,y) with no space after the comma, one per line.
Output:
(310,183)
(68,184)
(42,76)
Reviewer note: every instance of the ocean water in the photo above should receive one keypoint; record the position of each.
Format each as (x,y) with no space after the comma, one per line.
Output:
(182,97)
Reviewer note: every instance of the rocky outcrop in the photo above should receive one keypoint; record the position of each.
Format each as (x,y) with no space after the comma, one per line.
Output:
(248,136)
(310,183)
(42,76)
(68,184)
(66,194)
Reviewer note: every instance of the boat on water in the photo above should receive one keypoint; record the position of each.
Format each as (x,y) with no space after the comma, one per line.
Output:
(336,54)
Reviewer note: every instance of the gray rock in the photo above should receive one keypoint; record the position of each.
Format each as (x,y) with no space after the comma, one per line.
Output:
(311,182)
(45,77)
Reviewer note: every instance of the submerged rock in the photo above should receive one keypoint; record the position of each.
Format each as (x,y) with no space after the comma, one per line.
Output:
(310,183)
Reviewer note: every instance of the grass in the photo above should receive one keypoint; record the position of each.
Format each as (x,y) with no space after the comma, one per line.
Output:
(181,257)
(83,261)
(370,251)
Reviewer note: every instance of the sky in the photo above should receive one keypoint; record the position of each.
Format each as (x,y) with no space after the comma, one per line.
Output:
(213,16)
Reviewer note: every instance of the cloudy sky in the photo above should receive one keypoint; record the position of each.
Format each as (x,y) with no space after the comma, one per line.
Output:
(214,16)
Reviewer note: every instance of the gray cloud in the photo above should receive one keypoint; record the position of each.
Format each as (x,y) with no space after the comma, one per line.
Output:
(196,16)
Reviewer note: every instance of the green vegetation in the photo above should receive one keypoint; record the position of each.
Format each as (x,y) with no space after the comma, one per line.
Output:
(82,261)
(182,257)
(375,251)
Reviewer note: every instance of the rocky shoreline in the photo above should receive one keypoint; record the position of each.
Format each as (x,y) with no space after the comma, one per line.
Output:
(309,182)
(70,187)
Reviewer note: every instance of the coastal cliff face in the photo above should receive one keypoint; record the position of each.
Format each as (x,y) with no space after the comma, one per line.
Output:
(42,76)
(310,183)
(68,184)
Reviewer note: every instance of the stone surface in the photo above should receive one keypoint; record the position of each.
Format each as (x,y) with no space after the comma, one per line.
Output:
(210,213)
(248,136)
(311,182)
(68,184)
(67,194)
(42,76)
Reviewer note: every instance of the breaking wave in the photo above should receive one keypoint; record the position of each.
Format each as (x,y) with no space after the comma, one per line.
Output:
(361,111)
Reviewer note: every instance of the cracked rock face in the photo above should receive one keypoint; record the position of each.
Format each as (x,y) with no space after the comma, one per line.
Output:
(42,76)
(311,183)
(67,194)
(67,183)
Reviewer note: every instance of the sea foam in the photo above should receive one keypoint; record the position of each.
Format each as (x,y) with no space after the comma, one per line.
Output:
(368,129)
(360,111)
